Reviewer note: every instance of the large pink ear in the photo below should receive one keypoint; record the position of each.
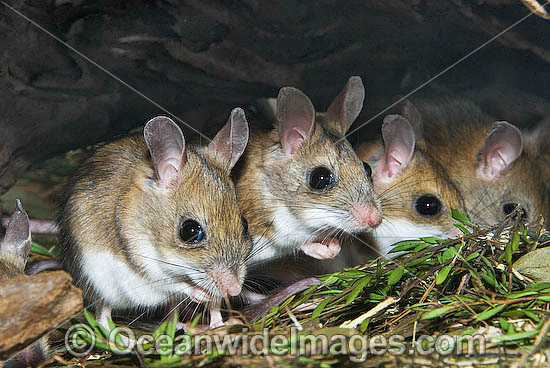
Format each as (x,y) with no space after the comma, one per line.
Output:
(231,140)
(296,117)
(502,147)
(17,241)
(167,148)
(347,106)
(399,142)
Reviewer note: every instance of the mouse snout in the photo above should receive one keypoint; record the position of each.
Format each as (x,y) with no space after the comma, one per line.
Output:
(227,280)
(366,214)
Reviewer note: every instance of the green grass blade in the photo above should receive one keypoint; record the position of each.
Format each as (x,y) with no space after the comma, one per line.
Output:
(460,217)
(359,285)
(319,309)
(490,312)
(396,275)
(39,249)
(438,312)
(160,329)
(442,274)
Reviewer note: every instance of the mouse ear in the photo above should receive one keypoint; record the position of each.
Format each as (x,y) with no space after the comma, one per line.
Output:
(537,138)
(411,113)
(296,117)
(502,147)
(167,148)
(399,142)
(17,241)
(231,140)
(536,141)
(347,106)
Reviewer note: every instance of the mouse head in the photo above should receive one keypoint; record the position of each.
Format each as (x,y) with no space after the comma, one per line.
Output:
(486,160)
(505,175)
(16,244)
(313,172)
(188,208)
(415,191)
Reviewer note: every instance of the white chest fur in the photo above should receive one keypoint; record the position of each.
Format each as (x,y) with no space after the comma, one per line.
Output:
(288,234)
(289,231)
(390,232)
(123,288)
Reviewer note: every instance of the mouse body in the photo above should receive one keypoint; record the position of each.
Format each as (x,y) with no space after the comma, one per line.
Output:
(490,161)
(300,184)
(151,222)
(441,154)
(415,189)
(461,158)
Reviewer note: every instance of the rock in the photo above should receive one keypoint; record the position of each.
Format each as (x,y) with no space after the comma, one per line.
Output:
(31,306)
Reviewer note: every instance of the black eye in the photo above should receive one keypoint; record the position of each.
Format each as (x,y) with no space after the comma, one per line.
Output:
(428,205)
(320,178)
(245,224)
(191,232)
(368,170)
(508,208)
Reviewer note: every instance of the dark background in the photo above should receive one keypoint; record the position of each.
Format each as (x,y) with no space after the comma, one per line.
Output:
(198,59)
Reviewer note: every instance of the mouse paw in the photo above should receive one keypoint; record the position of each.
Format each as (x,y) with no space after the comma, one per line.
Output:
(216,319)
(234,321)
(326,249)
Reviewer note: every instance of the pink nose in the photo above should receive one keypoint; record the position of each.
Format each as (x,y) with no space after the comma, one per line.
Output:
(226,280)
(232,288)
(366,215)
